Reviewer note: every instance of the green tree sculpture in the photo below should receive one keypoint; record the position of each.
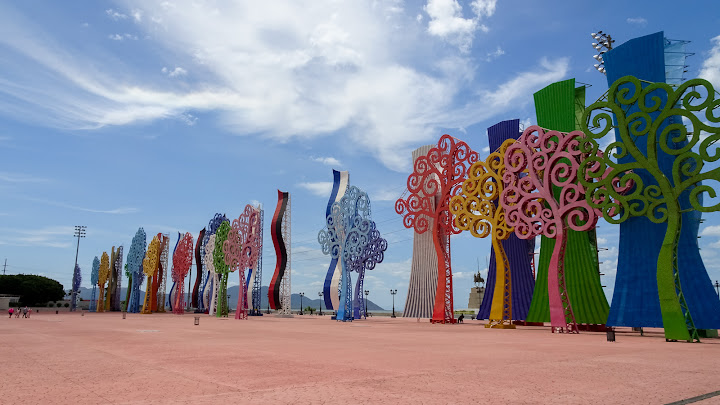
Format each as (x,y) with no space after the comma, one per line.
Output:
(221,268)
(651,123)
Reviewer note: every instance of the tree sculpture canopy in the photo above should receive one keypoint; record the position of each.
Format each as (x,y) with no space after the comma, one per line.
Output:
(136,253)
(476,210)
(547,201)
(104,271)
(436,178)
(182,258)
(648,123)
(94,275)
(152,257)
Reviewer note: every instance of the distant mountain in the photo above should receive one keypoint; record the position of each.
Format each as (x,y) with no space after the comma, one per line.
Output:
(86,294)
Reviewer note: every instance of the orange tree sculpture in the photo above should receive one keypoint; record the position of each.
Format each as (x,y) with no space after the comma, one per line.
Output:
(436,178)
(103,275)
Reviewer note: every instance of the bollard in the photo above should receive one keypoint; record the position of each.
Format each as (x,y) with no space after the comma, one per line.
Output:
(197,320)
(610,334)
(82,313)
(56,312)
(124,314)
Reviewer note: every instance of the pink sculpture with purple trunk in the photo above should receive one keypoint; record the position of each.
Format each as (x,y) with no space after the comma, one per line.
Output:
(241,249)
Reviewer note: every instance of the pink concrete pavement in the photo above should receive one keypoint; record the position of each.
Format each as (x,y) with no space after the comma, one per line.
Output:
(164,358)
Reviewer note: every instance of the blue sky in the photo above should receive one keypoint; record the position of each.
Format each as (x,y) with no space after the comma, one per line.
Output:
(123,114)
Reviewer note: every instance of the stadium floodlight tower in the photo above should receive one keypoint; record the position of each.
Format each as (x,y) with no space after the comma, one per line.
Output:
(603,44)
(79,233)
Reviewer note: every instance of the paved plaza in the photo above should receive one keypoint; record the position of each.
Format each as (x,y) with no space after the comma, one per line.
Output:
(164,358)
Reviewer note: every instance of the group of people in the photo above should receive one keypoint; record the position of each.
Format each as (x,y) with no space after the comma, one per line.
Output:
(25,312)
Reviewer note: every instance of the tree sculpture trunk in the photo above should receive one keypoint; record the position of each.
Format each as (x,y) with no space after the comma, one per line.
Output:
(101,300)
(562,318)
(443,311)
(501,308)
(672,314)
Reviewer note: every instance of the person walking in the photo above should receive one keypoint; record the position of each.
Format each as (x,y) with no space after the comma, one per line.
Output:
(25,312)
(17,312)
(29,312)
(10,311)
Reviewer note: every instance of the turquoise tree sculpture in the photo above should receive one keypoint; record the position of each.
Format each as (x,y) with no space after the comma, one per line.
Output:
(662,199)
(94,275)
(221,268)
(135,256)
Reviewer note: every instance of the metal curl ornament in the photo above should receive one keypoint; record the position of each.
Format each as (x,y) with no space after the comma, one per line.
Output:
(656,125)
(372,253)
(552,160)
(182,260)
(150,264)
(135,256)
(436,178)
(476,210)
(103,274)
(94,282)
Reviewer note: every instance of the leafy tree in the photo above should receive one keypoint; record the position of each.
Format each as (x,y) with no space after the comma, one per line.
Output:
(646,117)
(32,289)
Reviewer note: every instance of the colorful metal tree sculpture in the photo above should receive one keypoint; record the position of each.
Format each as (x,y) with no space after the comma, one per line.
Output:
(160,278)
(346,233)
(135,257)
(551,159)
(150,264)
(221,269)
(372,253)
(210,293)
(442,170)
(332,278)
(659,198)
(241,252)
(115,303)
(279,288)
(207,284)
(77,279)
(476,210)
(94,281)
(199,268)
(110,290)
(182,260)
(256,277)
(103,275)
(171,298)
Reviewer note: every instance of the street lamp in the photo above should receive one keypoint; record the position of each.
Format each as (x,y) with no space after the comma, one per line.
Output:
(320,294)
(393,292)
(366,298)
(79,233)
(302,294)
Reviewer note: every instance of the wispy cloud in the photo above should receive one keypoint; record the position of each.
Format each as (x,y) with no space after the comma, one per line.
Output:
(447,21)
(115,211)
(122,37)
(495,54)
(115,15)
(370,92)
(20,178)
(319,188)
(637,21)
(328,160)
(52,236)
(710,69)
(178,71)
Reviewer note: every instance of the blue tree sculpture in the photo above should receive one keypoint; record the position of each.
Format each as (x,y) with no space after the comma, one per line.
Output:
(94,276)
(372,253)
(135,256)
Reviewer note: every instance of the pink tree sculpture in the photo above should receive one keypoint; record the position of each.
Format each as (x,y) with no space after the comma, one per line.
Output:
(182,260)
(436,178)
(241,249)
(547,201)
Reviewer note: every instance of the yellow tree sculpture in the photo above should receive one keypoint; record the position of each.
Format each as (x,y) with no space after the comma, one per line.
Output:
(150,264)
(476,210)
(103,275)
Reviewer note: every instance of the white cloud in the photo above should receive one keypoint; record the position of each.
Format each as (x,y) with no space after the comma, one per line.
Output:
(188,119)
(178,71)
(319,188)
(484,8)
(137,15)
(115,211)
(486,149)
(266,79)
(329,161)
(447,22)
(637,20)
(51,236)
(20,178)
(712,230)
(495,54)
(115,15)
(121,37)
(710,69)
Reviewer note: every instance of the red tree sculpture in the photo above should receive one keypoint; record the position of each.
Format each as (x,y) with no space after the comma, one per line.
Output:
(437,177)
(241,249)
(182,260)
(547,201)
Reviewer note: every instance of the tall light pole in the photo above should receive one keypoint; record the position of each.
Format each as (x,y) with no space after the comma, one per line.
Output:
(302,294)
(603,44)
(366,298)
(717,287)
(79,233)
(393,292)
(320,294)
